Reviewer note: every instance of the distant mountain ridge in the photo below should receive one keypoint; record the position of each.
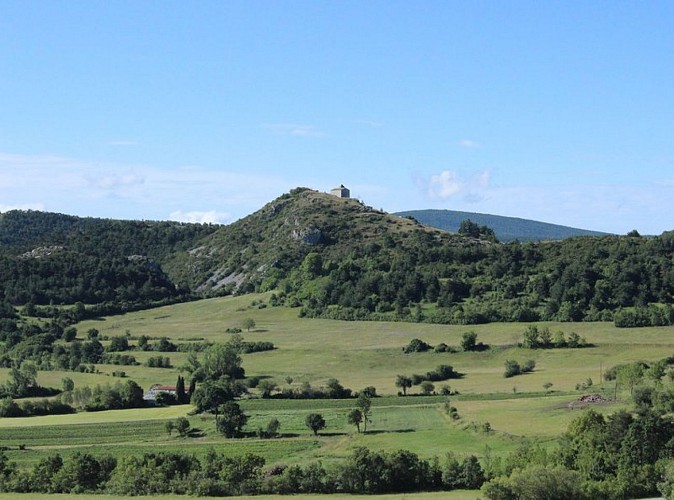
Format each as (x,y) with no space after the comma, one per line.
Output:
(506,228)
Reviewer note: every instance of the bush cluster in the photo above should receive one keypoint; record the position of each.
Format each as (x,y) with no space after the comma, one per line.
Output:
(513,368)
(332,390)
(158,362)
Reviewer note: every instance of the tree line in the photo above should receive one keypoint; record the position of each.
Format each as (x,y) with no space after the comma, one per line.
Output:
(363,472)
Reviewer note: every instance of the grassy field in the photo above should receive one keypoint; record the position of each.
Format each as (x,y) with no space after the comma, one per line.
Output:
(358,354)
(449,495)
(370,353)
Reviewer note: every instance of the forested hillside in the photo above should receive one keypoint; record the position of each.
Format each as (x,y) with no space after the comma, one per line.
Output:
(575,280)
(265,248)
(338,258)
(48,258)
(22,231)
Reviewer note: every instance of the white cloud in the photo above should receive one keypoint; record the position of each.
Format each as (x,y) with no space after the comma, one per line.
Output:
(87,188)
(449,184)
(210,217)
(294,130)
(469,144)
(445,185)
(113,181)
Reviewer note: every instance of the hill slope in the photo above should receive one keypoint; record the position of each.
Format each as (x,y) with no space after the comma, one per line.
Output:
(23,230)
(336,258)
(506,228)
(61,259)
(266,246)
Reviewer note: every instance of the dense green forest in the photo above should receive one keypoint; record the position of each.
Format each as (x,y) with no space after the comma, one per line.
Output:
(337,258)
(24,230)
(575,280)
(50,258)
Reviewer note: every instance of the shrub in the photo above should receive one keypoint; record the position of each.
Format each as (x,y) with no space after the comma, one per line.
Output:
(158,362)
(528,366)
(119,343)
(512,368)
(417,345)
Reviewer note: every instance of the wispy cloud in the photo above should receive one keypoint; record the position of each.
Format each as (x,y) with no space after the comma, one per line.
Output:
(294,130)
(115,181)
(89,188)
(445,185)
(469,144)
(209,217)
(448,184)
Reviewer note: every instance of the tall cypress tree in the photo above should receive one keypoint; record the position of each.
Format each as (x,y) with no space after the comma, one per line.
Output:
(180,391)
(193,386)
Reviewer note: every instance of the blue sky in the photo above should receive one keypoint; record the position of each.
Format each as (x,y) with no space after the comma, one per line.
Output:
(204,111)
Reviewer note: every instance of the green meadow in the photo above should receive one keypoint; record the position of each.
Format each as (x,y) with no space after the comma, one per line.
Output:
(496,413)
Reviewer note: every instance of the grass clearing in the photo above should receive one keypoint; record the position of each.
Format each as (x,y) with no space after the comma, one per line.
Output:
(358,354)
(370,353)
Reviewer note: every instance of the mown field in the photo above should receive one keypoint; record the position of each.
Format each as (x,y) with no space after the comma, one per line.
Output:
(358,354)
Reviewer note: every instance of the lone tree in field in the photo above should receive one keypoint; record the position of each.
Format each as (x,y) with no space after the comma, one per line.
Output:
(427,387)
(315,422)
(512,368)
(210,396)
(182,426)
(273,427)
(266,387)
(404,382)
(232,419)
(355,417)
(469,341)
(364,404)
(248,324)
